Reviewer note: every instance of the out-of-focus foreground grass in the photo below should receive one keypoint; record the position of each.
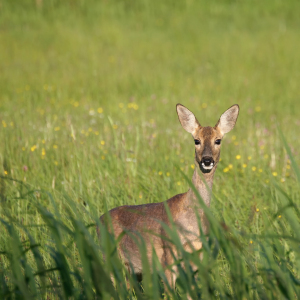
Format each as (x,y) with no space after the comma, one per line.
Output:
(87,107)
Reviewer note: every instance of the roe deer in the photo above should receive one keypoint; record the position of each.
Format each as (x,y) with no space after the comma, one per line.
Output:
(146,219)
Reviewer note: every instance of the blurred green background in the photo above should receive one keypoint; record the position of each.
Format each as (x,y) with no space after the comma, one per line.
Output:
(89,88)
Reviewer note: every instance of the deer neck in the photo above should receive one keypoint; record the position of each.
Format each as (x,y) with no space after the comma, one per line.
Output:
(203,182)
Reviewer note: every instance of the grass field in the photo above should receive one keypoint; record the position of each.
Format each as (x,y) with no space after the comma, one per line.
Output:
(87,109)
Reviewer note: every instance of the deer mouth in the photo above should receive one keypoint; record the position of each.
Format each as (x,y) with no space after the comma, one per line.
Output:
(207,167)
(206,164)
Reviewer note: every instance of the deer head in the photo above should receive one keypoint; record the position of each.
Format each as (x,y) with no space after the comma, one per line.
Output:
(207,139)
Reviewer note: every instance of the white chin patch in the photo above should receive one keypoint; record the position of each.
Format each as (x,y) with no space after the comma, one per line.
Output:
(207,167)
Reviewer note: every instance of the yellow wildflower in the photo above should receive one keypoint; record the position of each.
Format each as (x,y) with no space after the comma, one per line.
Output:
(102,143)
(57,128)
(193,166)
(274,174)
(160,173)
(100,110)
(226,170)
(112,59)
(33,148)
(54,146)
(244,165)
(168,174)
(238,157)
(253,169)
(257,108)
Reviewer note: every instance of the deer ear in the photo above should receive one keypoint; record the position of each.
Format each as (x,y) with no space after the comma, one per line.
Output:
(187,119)
(228,119)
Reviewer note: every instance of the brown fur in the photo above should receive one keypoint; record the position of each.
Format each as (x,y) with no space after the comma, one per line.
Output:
(146,219)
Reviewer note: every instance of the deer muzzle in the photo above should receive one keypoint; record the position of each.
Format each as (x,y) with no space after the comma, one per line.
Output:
(207,163)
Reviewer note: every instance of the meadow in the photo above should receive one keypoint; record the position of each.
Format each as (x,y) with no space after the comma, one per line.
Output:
(88,91)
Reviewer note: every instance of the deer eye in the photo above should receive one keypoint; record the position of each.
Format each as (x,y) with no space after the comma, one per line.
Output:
(218,142)
(197,142)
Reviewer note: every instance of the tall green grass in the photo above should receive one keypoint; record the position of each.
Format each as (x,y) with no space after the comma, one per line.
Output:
(87,122)
(70,262)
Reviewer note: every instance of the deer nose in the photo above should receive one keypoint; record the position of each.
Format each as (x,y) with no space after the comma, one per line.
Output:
(207,160)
